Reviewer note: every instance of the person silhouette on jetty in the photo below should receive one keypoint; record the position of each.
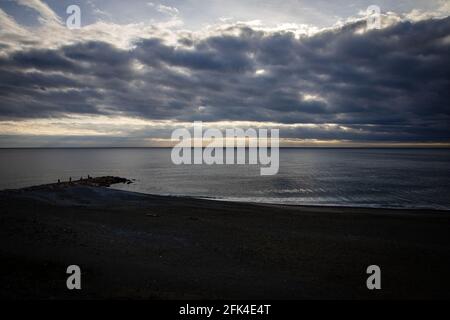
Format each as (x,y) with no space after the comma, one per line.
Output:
(70,179)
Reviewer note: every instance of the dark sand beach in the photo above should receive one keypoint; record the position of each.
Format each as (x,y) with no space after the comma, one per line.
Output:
(136,246)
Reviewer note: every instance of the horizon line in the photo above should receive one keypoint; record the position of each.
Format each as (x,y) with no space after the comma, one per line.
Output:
(280,147)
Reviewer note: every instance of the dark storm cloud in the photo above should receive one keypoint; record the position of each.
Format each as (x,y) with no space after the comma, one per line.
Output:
(43,60)
(216,54)
(387,85)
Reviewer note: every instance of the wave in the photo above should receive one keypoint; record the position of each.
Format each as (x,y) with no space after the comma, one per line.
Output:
(302,202)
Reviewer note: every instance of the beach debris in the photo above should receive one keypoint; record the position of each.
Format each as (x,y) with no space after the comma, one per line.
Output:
(152,215)
(105,181)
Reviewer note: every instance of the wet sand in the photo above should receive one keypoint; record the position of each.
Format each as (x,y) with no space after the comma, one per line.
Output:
(135,246)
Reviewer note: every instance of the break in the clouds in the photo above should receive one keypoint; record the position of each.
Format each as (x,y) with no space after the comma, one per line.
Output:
(128,83)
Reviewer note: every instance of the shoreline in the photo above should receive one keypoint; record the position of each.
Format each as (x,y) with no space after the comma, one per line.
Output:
(138,246)
(336,206)
(331,206)
(100,182)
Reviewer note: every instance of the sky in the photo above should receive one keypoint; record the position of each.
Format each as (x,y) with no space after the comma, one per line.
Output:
(136,70)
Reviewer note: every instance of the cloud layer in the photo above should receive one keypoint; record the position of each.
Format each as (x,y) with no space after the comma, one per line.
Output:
(387,85)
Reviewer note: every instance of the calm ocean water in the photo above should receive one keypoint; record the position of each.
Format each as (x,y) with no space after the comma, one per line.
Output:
(413,178)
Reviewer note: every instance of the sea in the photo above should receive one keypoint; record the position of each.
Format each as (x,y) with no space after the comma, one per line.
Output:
(355,177)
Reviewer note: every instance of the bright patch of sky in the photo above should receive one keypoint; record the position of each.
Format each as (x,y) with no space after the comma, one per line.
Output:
(196,14)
